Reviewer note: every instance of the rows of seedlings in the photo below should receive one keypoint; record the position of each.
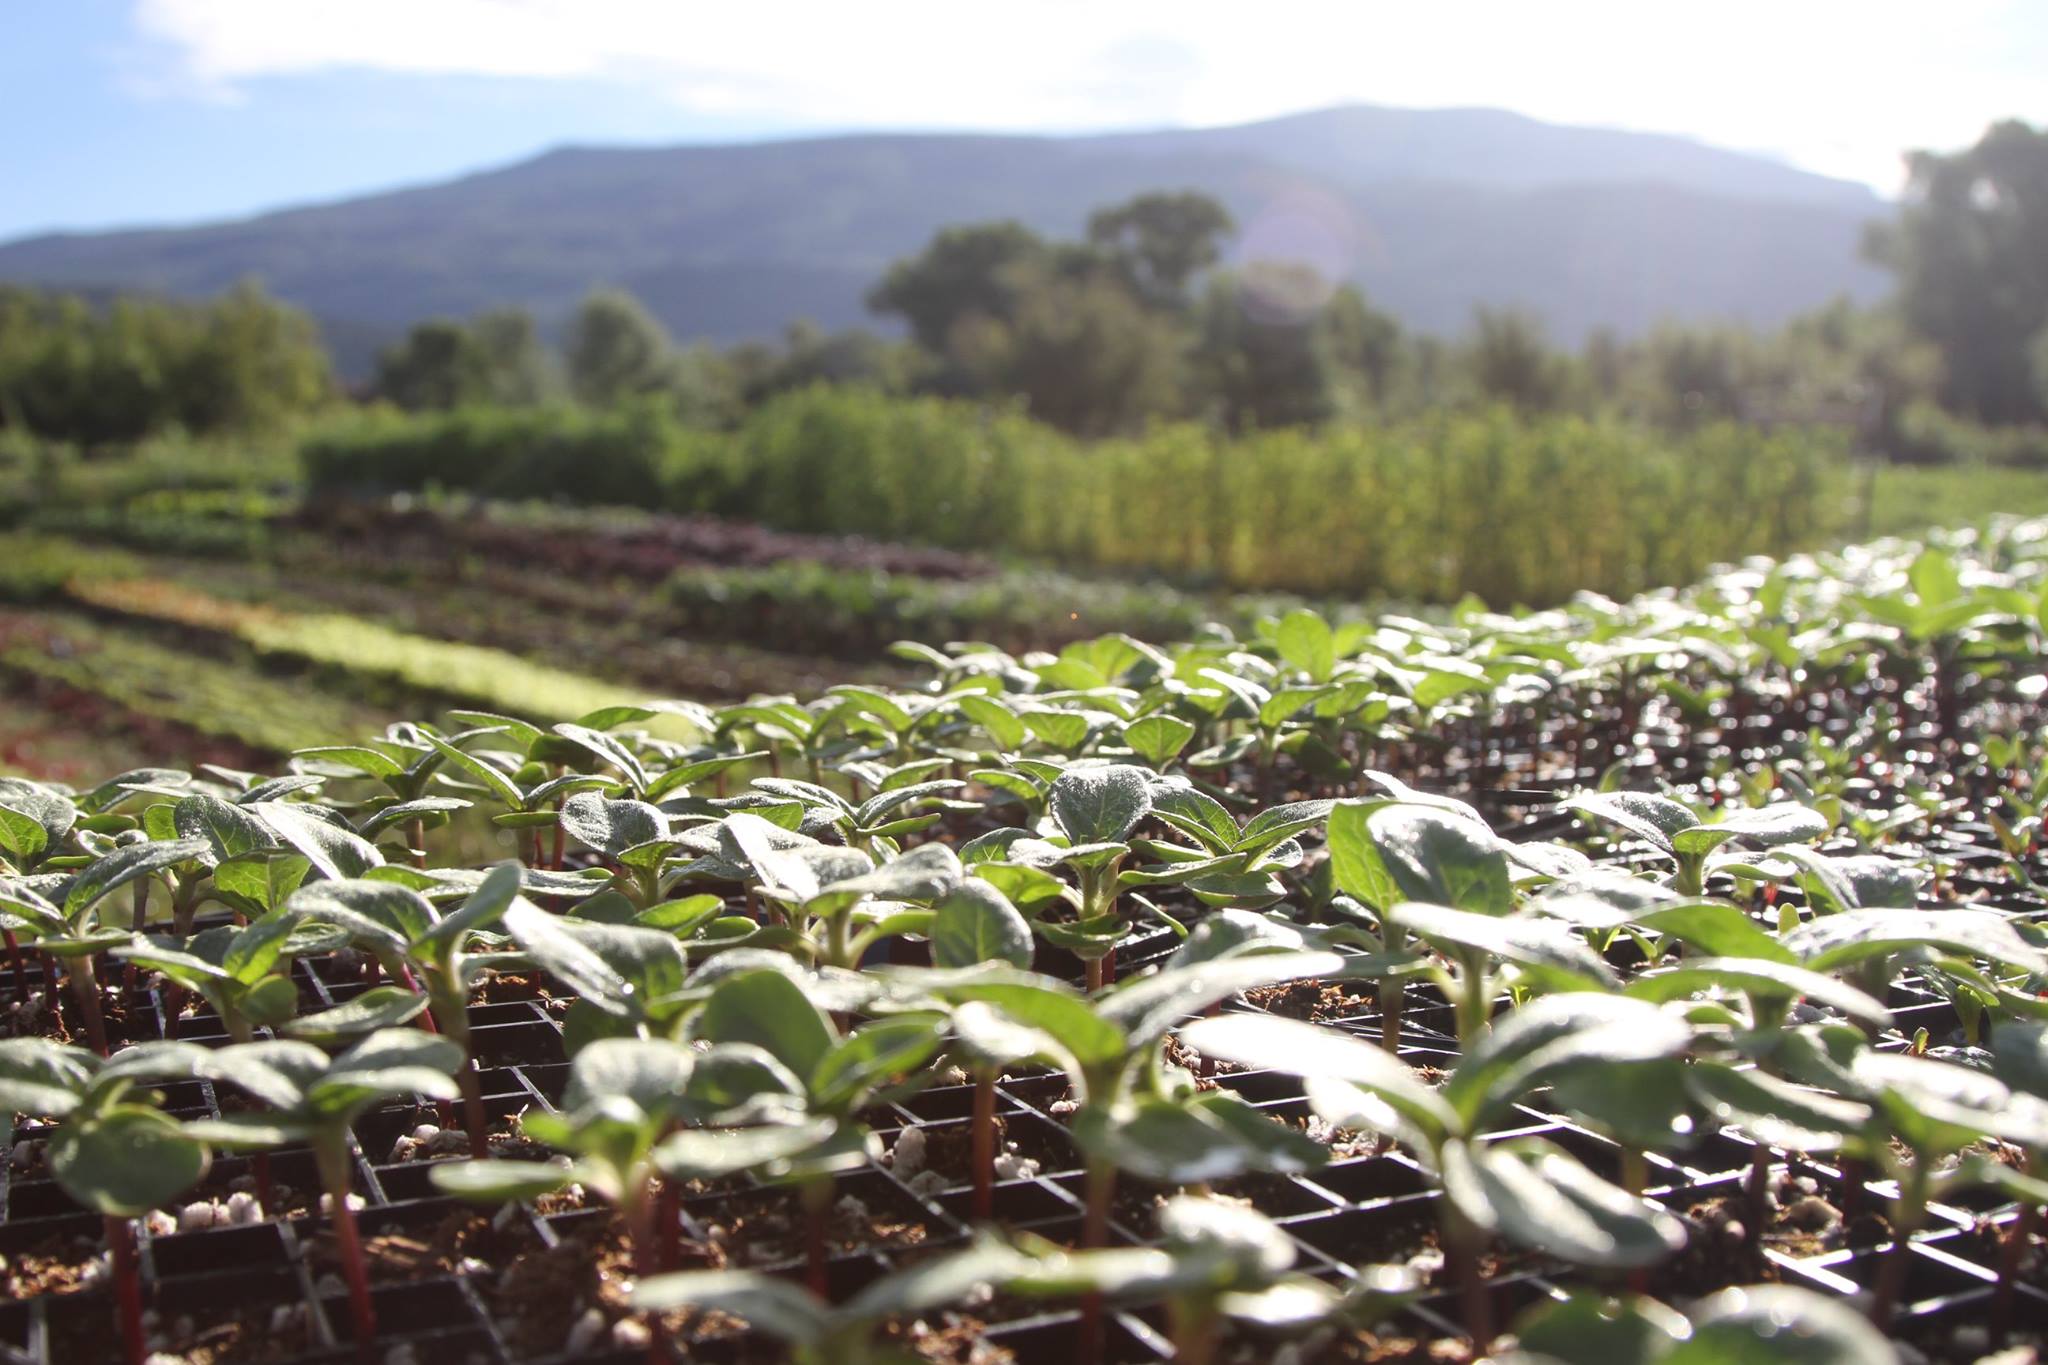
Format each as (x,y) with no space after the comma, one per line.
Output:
(1658,981)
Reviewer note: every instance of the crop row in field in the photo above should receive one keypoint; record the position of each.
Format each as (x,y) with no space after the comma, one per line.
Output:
(226,700)
(1513,509)
(466,674)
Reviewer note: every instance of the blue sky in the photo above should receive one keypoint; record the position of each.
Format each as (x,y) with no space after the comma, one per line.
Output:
(162,111)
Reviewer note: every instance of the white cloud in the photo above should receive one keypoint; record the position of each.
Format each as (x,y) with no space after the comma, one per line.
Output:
(1837,85)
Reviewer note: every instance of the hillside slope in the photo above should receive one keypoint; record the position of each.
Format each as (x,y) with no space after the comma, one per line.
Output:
(1431,212)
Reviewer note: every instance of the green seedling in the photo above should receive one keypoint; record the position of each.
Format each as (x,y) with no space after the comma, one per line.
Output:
(311,1098)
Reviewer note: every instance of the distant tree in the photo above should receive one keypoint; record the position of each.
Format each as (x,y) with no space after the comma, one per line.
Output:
(1607,361)
(1698,374)
(438,365)
(1363,343)
(1260,357)
(965,272)
(253,364)
(617,349)
(1863,359)
(1084,354)
(1970,249)
(518,371)
(1511,362)
(1161,241)
(705,386)
(141,366)
(811,355)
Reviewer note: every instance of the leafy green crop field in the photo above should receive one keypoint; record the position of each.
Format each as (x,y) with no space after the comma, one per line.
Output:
(1380,983)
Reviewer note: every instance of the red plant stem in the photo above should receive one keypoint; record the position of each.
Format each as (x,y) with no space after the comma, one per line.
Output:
(1891,1278)
(407,980)
(416,837)
(1392,997)
(1109,968)
(120,1235)
(86,988)
(984,1144)
(333,1160)
(817,1200)
(641,1211)
(1852,1189)
(668,1222)
(266,1189)
(1758,1193)
(1462,1249)
(1634,1176)
(1194,1332)
(556,861)
(1101,1188)
(473,1109)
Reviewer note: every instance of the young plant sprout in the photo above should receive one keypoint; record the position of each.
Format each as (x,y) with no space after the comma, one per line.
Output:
(1527,1190)
(404,931)
(114,1151)
(818,1076)
(1095,810)
(1444,881)
(976,928)
(68,924)
(1136,1113)
(874,826)
(244,973)
(818,1332)
(624,1097)
(1691,843)
(823,888)
(706,964)
(1734,1326)
(1936,1111)
(311,1098)
(1218,1261)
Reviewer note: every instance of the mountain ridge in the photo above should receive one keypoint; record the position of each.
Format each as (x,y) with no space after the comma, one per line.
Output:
(1432,212)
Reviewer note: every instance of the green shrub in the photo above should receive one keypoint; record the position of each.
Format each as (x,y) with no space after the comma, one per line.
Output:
(35,568)
(1929,435)
(628,455)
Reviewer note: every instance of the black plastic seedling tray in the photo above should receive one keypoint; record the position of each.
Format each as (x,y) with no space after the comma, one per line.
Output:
(265,1291)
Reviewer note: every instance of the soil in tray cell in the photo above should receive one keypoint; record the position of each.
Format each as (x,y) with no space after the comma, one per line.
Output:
(1962,1329)
(943,1159)
(1314,1000)
(65,1259)
(1372,1179)
(257,1322)
(760,1228)
(435,1311)
(428,1239)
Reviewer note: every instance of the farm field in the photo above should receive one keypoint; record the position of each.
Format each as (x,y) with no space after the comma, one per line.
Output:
(379,602)
(1271,976)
